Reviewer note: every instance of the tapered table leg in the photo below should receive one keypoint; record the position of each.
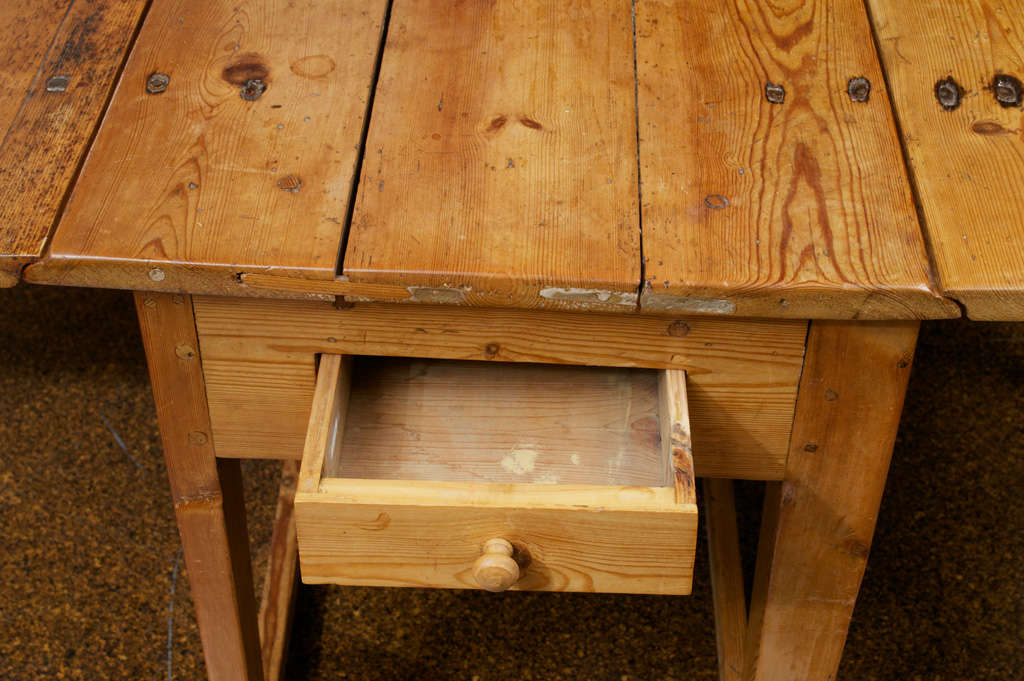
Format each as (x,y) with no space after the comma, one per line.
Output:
(819,521)
(207,492)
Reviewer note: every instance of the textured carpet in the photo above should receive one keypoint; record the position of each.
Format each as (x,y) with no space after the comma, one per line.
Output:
(94,587)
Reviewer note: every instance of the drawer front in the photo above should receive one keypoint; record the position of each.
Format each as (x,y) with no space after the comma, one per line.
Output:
(616,538)
(625,546)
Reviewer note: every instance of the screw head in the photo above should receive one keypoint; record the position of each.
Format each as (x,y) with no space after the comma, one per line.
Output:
(157,83)
(774,93)
(1007,90)
(156,274)
(859,89)
(949,93)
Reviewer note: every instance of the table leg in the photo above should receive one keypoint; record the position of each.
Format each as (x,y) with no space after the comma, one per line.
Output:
(207,492)
(819,521)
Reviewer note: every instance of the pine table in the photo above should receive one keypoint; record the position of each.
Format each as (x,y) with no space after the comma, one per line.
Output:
(597,248)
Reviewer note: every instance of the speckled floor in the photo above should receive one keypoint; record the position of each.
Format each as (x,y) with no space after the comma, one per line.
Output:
(94,588)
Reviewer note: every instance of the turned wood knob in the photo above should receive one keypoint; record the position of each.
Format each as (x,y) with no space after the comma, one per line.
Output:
(496,570)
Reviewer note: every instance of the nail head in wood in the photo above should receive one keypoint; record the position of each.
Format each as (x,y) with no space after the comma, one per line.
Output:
(859,89)
(157,83)
(774,93)
(1007,90)
(949,93)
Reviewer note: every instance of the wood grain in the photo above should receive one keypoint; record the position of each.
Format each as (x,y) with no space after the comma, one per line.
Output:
(742,375)
(501,157)
(817,526)
(726,568)
(327,417)
(674,429)
(363,535)
(414,419)
(58,64)
(281,581)
(199,181)
(967,163)
(798,209)
(207,493)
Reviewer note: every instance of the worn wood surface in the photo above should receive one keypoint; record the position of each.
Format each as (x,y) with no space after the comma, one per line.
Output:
(674,430)
(58,63)
(818,523)
(588,538)
(798,209)
(726,569)
(742,375)
(501,158)
(281,580)
(967,163)
(415,419)
(207,493)
(199,183)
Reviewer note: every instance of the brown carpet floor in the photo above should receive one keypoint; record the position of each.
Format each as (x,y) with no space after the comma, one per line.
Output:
(94,587)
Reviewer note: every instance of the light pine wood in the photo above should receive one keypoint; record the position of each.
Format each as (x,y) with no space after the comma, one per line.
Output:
(281,580)
(198,182)
(968,163)
(496,569)
(632,538)
(498,422)
(58,64)
(501,157)
(674,427)
(742,375)
(799,209)
(207,493)
(818,523)
(726,570)
(417,533)
(327,417)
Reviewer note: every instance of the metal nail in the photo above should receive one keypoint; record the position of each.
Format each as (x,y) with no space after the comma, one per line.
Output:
(859,89)
(253,89)
(775,94)
(157,83)
(949,93)
(58,83)
(1007,90)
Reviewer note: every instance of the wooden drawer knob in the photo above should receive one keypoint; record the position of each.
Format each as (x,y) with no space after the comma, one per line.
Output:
(496,570)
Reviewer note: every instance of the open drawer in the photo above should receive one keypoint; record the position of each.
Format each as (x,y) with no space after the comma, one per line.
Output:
(464,474)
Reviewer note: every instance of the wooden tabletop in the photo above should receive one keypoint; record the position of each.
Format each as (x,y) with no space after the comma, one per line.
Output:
(655,156)
(58,63)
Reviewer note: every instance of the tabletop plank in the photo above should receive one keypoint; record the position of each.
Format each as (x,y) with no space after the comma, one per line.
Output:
(58,63)
(967,162)
(501,158)
(800,208)
(185,188)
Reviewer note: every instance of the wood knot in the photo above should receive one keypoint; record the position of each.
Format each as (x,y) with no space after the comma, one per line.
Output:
(184,351)
(530,123)
(244,68)
(678,328)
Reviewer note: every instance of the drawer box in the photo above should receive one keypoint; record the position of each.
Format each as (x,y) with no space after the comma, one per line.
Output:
(465,474)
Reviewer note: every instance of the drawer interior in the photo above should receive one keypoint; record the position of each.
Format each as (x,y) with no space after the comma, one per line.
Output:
(463,421)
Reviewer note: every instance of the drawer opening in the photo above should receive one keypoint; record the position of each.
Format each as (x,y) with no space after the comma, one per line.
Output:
(466,421)
(468,474)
